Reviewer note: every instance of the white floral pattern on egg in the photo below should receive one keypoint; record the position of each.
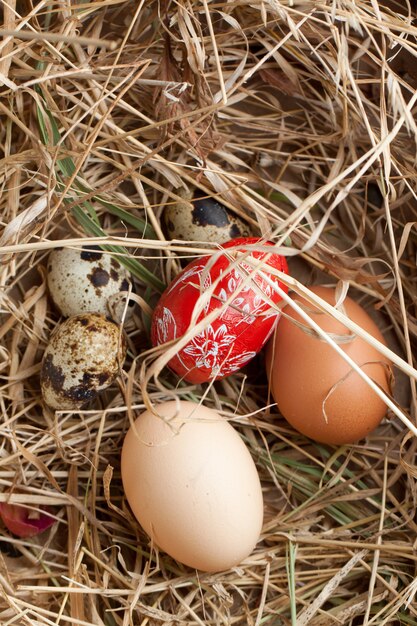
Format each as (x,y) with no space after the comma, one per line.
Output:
(240,330)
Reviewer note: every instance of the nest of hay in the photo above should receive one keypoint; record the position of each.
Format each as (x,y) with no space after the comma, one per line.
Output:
(300,117)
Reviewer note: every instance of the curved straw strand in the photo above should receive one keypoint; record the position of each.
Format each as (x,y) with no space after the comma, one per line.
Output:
(343,319)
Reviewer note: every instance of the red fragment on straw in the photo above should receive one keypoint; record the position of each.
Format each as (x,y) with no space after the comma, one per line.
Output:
(25,522)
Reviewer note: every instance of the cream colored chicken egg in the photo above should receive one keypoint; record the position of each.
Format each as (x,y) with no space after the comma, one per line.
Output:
(192,485)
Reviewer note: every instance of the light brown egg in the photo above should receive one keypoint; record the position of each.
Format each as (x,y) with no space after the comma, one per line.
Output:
(193,486)
(315,389)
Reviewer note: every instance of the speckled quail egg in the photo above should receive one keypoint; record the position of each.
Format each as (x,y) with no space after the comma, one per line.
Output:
(83,280)
(202,219)
(82,358)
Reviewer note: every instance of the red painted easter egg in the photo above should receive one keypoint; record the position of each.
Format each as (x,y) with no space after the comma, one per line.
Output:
(240,329)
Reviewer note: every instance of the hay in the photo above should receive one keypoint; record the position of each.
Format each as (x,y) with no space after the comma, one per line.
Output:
(300,116)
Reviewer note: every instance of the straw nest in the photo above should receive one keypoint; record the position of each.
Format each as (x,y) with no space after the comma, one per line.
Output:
(300,116)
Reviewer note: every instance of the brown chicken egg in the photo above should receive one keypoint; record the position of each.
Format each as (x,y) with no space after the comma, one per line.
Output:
(315,389)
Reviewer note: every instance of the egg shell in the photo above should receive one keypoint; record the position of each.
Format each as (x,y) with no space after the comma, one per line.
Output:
(22,522)
(82,281)
(240,330)
(82,358)
(193,486)
(202,219)
(303,371)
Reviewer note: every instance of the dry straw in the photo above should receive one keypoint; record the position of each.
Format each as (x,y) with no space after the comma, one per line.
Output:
(300,117)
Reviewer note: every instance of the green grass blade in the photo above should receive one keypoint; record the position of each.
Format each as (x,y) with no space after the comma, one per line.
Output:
(136,268)
(85,213)
(141,225)
(291,551)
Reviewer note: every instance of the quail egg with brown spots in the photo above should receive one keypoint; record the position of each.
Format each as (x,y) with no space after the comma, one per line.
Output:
(82,358)
(202,219)
(83,280)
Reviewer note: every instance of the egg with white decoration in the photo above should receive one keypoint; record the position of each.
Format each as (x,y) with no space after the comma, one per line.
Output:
(244,294)
(85,280)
